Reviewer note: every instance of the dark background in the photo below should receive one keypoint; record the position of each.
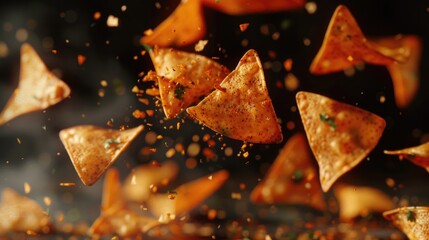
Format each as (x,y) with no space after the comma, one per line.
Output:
(69,28)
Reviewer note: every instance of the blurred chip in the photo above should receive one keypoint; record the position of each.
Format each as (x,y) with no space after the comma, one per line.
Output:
(92,149)
(116,217)
(242,7)
(418,155)
(186,197)
(240,108)
(405,71)
(184,78)
(21,214)
(183,27)
(137,184)
(340,135)
(413,221)
(292,179)
(344,46)
(38,88)
(357,201)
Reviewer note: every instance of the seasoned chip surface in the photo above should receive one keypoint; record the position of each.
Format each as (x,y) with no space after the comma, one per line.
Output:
(292,179)
(344,46)
(184,78)
(92,149)
(418,155)
(38,88)
(340,135)
(413,221)
(241,108)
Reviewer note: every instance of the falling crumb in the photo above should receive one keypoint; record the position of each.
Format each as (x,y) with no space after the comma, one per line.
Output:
(152,92)
(139,114)
(4,50)
(18,140)
(200,45)
(306,42)
(97,15)
(81,59)
(390,182)
(54,51)
(291,82)
(27,188)
(158,5)
(104,83)
(21,35)
(170,153)
(244,26)
(193,149)
(236,196)
(311,7)
(67,184)
(246,154)
(145,101)
(112,21)
(148,32)
(124,8)
(287,64)
(290,125)
(382,99)
(47,200)
(211,214)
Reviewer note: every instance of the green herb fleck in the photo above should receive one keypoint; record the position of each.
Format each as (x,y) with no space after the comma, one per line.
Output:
(411,216)
(329,120)
(312,236)
(148,48)
(179,91)
(298,176)
(411,156)
(111,141)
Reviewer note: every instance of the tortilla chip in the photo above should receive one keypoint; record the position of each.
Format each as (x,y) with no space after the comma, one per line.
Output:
(21,214)
(183,27)
(240,108)
(92,149)
(418,155)
(186,197)
(340,135)
(184,78)
(344,46)
(38,88)
(292,178)
(242,7)
(116,217)
(413,221)
(356,201)
(407,50)
(139,181)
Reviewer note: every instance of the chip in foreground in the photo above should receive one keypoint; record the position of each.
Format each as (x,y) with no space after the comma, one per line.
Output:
(292,179)
(93,149)
(240,108)
(37,90)
(184,78)
(340,135)
(358,201)
(418,155)
(413,221)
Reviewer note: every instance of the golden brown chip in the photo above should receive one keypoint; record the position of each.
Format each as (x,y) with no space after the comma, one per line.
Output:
(292,178)
(405,73)
(241,7)
(344,46)
(413,221)
(340,135)
(186,197)
(184,78)
(137,186)
(116,217)
(183,27)
(21,214)
(240,108)
(357,201)
(418,155)
(38,88)
(92,149)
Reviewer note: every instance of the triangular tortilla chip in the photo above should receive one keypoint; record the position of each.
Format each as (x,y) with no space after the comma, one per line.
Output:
(418,155)
(92,149)
(186,197)
(340,135)
(183,27)
(413,221)
(184,78)
(241,108)
(137,185)
(292,178)
(344,46)
(242,7)
(116,217)
(404,72)
(357,201)
(38,88)
(21,214)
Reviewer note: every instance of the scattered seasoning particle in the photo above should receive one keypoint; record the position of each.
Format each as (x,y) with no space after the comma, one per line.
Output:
(179,91)
(139,114)
(328,120)
(27,188)
(411,216)
(67,184)
(244,26)
(236,196)
(298,176)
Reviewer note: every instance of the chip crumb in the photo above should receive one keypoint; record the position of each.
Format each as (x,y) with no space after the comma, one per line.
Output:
(200,45)
(112,21)
(244,26)
(27,188)
(47,200)
(236,196)
(18,140)
(81,59)
(311,7)
(97,15)
(67,184)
